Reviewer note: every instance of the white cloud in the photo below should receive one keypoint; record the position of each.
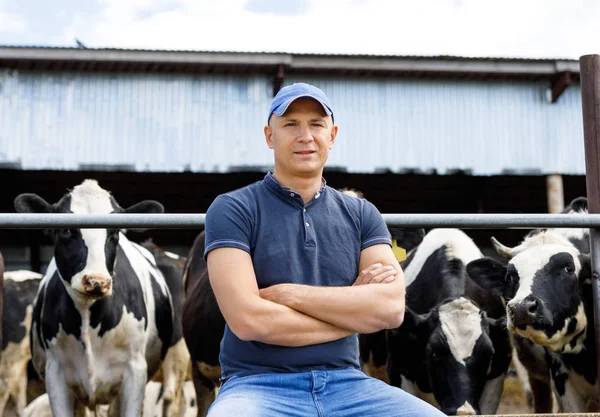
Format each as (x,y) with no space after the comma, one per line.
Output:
(517,28)
(11,23)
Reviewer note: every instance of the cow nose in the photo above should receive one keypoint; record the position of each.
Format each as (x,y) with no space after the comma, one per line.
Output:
(524,312)
(96,284)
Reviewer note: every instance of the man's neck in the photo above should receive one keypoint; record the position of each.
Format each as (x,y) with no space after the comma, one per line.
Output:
(306,187)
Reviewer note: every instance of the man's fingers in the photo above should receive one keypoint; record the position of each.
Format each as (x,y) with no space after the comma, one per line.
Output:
(365,273)
(374,274)
(370,269)
(383,276)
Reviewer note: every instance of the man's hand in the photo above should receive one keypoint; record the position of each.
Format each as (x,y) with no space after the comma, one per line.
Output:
(283,294)
(375,274)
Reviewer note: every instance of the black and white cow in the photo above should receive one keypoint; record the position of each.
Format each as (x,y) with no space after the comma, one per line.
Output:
(175,367)
(449,351)
(373,346)
(20,288)
(203,326)
(547,286)
(103,316)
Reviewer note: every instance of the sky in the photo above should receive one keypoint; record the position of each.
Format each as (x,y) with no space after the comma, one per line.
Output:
(474,28)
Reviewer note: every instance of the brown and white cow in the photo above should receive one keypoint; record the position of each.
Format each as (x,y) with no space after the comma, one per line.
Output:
(20,288)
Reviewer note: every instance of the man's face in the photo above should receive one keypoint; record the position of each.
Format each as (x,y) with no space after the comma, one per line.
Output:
(301,138)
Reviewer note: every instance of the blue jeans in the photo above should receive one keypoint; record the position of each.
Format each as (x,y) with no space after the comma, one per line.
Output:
(337,393)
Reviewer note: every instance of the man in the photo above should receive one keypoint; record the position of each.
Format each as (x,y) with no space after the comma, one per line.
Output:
(283,258)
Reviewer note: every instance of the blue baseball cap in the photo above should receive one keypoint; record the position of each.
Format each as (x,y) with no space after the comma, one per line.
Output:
(288,94)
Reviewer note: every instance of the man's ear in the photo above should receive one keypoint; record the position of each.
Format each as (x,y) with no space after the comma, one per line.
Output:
(268,136)
(334,132)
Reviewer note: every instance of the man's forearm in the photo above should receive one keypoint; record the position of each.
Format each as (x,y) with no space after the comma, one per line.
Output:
(277,324)
(362,309)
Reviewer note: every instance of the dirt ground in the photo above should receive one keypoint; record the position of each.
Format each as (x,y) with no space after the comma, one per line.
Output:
(513,398)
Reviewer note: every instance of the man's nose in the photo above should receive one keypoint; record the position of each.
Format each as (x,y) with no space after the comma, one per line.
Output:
(305,134)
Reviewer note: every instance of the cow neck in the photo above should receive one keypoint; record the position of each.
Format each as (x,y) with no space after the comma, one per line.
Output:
(89,355)
(581,340)
(576,341)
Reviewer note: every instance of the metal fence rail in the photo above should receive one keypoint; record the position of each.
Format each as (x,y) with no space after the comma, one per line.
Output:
(191,221)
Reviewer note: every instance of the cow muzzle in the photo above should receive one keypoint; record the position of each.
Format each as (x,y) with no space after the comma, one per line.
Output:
(526,312)
(96,285)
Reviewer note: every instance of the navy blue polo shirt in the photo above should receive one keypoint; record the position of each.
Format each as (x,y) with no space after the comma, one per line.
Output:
(314,244)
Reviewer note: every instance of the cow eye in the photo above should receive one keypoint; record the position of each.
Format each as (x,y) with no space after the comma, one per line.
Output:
(64,233)
(569,269)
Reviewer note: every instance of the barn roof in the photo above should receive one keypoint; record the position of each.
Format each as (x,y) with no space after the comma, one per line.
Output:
(136,60)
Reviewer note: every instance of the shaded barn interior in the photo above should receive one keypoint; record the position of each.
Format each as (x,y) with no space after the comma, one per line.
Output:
(193,193)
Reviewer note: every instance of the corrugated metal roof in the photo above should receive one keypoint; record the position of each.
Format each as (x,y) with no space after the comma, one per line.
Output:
(135,60)
(424,56)
(213,123)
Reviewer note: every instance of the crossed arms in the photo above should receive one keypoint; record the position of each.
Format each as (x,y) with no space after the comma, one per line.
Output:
(300,315)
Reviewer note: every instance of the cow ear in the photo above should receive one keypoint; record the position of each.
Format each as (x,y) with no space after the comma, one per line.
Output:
(407,239)
(146,207)
(578,205)
(32,203)
(489,274)
(413,322)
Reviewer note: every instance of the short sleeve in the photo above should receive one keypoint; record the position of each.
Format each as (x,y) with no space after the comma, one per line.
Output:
(374,231)
(227,224)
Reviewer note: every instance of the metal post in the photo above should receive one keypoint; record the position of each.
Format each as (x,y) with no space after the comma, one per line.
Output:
(590,101)
(1,292)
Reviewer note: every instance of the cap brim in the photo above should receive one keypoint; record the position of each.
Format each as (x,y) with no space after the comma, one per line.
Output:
(282,108)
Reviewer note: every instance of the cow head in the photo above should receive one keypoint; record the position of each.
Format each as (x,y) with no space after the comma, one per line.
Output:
(85,258)
(447,352)
(542,286)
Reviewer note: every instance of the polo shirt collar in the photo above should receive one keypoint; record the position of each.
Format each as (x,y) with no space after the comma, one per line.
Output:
(274,185)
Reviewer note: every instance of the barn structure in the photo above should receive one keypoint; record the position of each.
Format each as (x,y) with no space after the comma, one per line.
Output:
(434,134)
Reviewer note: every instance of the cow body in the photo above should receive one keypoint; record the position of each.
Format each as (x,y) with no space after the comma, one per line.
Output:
(547,285)
(20,288)
(175,367)
(103,315)
(203,327)
(372,346)
(448,351)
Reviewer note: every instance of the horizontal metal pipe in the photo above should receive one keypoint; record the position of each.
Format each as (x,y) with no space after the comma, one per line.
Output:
(191,221)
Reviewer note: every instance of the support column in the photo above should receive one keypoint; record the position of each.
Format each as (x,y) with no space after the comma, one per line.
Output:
(555,193)
(590,101)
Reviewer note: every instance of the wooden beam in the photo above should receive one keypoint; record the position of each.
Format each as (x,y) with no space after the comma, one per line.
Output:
(559,84)
(590,103)
(278,81)
(555,193)
(1,291)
